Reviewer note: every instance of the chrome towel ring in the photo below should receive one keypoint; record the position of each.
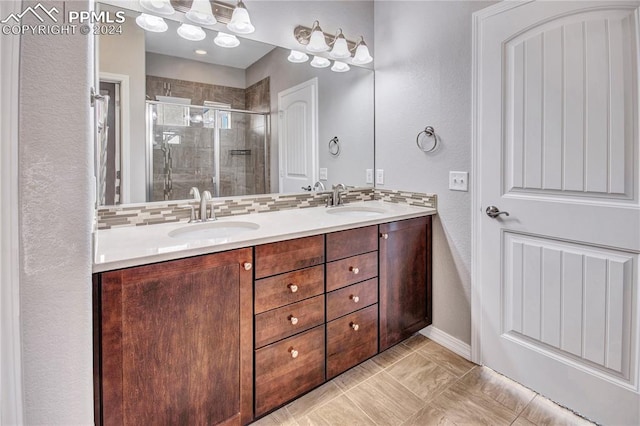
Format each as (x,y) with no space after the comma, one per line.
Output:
(334,146)
(428,132)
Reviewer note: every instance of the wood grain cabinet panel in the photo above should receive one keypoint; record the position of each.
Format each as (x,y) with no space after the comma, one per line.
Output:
(405,279)
(290,255)
(351,298)
(287,369)
(351,340)
(351,270)
(285,289)
(176,342)
(288,320)
(351,242)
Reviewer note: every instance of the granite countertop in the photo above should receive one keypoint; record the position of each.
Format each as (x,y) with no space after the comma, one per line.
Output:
(139,245)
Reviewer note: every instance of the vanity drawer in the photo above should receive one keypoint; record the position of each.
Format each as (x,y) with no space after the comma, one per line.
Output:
(283,322)
(351,298)
(351,242)
(351,270)
(285,289)
(290,255)
(351,340)
(287,369)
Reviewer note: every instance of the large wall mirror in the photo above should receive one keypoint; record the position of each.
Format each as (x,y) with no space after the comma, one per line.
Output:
(236,121)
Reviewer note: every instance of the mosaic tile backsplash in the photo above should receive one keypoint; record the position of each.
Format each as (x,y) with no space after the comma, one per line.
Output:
(149,214)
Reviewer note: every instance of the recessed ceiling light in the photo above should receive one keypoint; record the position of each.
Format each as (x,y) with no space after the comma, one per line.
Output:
(200,51)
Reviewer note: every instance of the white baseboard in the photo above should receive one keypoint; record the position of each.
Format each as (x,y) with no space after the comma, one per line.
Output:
(448,341)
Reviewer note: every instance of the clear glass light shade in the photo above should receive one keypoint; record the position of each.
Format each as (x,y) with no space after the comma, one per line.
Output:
(155,24)
(240,21)
(317,43)
(340,48)
(320,62)
(191,32)
(226,40)
(297,57)
(340,67)
(201,13)
(362,55)
(160,7)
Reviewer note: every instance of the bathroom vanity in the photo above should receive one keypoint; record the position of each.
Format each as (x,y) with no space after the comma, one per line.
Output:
(231,331)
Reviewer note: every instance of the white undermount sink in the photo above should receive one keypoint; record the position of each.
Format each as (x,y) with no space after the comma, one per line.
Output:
(213,230)
(356,211)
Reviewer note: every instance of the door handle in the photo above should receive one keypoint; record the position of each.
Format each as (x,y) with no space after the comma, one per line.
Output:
(493,212)
(307,188)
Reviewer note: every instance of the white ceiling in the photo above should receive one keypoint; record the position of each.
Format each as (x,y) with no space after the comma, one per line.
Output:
(171,44)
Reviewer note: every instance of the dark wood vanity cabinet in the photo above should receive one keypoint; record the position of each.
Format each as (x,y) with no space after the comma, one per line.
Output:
(174,342)
(405,279)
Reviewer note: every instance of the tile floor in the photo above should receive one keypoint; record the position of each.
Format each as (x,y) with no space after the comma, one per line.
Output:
(418,382)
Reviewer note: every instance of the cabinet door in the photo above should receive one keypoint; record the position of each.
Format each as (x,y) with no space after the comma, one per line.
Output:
(176,342)
(405,279)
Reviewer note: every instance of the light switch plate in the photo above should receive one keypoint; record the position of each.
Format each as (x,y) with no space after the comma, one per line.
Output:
(369,177)
(459,181)
(379,177)
(323,173)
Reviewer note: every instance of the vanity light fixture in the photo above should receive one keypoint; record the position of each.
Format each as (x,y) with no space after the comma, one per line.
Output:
(320,62)
(240,21)
(340,48)
(297,57)
(155,24)
(200,52)
(226,40)
(191,32)
(317,42)
(200,13)
(340,67)
(160,7)
(362,55)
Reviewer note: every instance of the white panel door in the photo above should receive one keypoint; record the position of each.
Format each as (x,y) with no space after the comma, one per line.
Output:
(298,136)
(556,147)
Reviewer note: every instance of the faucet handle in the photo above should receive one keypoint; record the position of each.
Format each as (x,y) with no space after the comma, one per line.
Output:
(192,217)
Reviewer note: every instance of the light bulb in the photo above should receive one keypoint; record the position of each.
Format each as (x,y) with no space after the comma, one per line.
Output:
(320,62)
(317,43)
(340,48)
(226,40)
(240,21)
(191,32)
(340,67)
(160,7)
(362,55)
(297,57)
(201,13)
(155,24)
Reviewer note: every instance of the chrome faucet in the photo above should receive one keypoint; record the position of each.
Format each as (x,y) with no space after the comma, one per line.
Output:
(336,198)
(318,186)
(195,192)
(206,197)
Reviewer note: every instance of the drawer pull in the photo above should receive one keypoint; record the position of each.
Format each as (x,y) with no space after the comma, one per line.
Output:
(384,236)
(294,353)
(293,288)
(354,270)
(355,299)
(247,266)
(293,320)
(354,326)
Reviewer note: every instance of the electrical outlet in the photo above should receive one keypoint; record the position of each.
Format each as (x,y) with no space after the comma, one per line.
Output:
(323,174)
(379,177)
(369,177)
(459,181)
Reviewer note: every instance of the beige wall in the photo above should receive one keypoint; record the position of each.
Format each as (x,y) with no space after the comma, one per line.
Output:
(185,69)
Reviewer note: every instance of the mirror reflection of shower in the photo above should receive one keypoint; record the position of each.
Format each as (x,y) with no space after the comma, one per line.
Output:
(210,147)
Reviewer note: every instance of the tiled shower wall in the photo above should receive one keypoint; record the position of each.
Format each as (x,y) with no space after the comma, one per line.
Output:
(242,154)
(149,214)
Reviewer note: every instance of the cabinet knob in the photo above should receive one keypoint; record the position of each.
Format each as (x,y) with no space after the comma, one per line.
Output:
(247,266)
(355,299)
(354,270)
(354,326)
(293,320)
(293,352)
(384,236)
(293,288)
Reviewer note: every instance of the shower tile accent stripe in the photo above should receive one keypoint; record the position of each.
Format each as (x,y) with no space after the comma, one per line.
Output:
(150,214)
